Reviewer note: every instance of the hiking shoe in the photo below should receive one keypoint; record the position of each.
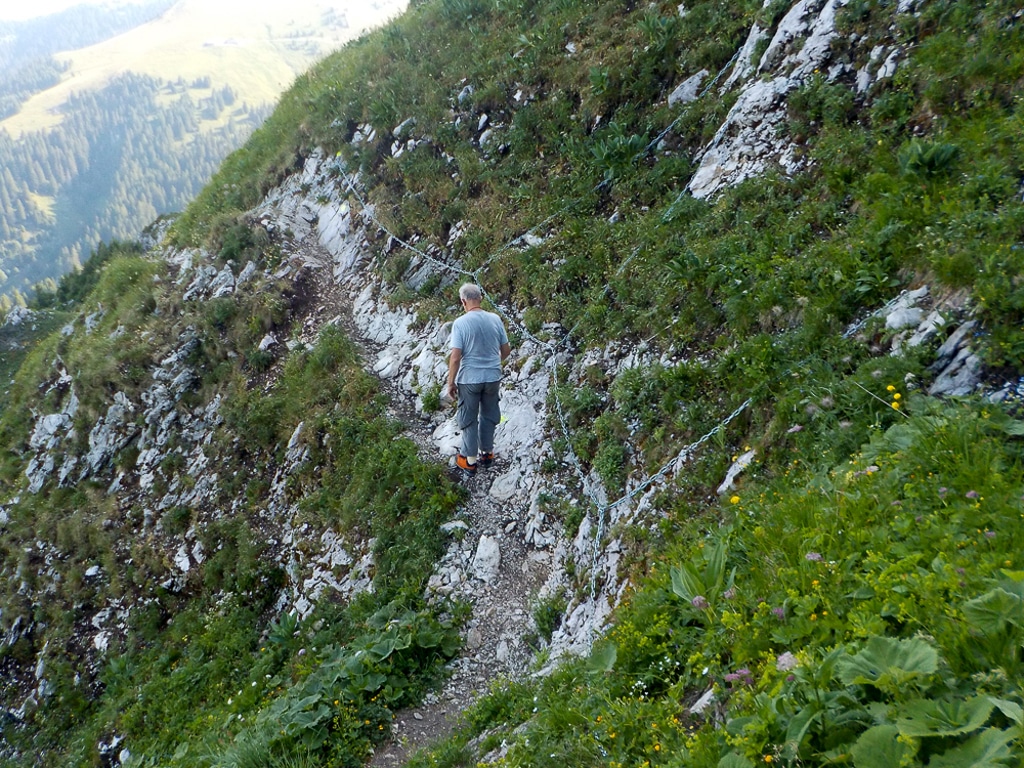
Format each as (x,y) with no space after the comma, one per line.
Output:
(463,463)
(486,459)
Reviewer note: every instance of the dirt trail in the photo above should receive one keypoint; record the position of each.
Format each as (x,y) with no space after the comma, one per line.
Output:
(501,606)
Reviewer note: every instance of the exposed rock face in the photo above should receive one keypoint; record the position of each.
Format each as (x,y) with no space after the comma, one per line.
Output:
(688,90)
(752,139)
(19,316)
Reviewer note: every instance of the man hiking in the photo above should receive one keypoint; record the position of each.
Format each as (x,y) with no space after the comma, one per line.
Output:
(479,345)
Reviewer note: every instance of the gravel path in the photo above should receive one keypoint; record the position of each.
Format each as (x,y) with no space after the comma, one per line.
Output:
(501,605)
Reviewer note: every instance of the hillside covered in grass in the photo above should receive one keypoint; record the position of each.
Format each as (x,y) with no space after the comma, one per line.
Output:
(762,262)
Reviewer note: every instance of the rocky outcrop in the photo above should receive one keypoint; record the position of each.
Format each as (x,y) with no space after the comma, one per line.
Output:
(752,139)
(19,315)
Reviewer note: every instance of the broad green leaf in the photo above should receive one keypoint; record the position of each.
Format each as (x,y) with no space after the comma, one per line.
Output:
(880,747)
(714,573)
(1006,424)
(736,725)
(373,681)
(928,717)
(306,702)
(384,648)
(602,658)
(994,611)
(989,749)
(428,638)
(861,593)
(403,640)
(1011,709)
(885,662)
(798,728)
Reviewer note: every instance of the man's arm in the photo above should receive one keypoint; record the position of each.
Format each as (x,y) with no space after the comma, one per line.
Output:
(506,350)
(454,360)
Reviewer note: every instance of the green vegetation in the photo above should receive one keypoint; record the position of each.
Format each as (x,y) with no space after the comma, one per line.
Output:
(857,600)
(839,614)
(211,671)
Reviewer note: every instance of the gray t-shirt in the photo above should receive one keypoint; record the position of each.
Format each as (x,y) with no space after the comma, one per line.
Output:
(479,334)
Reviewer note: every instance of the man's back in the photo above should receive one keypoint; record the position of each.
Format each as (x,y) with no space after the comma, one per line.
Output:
(479,334)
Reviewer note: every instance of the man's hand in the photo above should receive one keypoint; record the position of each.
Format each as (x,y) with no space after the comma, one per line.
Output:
(454,360)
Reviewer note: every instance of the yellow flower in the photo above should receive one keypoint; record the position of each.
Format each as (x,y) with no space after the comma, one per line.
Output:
(657,747)
(734,500)
(890,388)
(897,396)
(769,758)
(895,405)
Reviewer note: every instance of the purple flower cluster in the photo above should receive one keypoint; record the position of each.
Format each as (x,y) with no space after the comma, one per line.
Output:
(742,676)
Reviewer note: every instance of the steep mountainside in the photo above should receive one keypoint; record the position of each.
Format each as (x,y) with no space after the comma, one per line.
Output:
(759,489)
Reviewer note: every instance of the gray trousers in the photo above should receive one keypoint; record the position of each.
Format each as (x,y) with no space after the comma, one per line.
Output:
(478,416)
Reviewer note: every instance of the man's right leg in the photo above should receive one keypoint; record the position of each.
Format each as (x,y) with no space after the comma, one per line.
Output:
(467,418)
(490,414)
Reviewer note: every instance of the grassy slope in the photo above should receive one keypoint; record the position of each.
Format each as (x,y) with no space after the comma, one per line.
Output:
(891,573)
(199,665)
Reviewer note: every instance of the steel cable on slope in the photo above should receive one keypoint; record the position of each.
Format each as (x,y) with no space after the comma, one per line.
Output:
(602,508)
(585,485)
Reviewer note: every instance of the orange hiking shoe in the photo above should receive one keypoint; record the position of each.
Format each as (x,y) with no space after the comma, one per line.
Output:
(463,463)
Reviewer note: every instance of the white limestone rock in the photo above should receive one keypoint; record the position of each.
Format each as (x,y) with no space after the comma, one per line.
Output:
(749,141)
(905,317)
(741,463)
(19,316)
(223,284)
(688,90)
(487,560)
(960,378)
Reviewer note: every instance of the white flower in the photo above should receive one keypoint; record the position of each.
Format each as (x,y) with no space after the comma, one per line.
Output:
(786,662)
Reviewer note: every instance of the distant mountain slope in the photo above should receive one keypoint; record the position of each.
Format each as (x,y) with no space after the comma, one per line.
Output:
(69,30)
(230,62)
